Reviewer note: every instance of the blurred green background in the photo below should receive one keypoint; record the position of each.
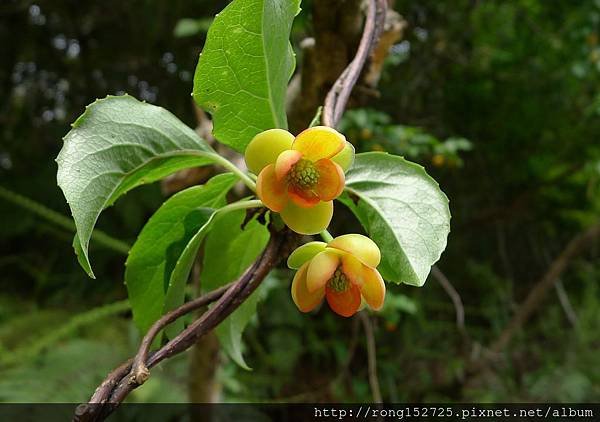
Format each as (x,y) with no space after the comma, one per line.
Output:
(498,100)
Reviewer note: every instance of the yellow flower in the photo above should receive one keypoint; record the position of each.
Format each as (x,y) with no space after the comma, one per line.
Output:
(343,271)
(299,177)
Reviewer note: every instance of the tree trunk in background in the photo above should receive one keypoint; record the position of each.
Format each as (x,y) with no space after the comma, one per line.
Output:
(203,386)
(337,25)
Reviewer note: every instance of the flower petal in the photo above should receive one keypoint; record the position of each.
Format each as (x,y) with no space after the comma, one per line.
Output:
(285,161)
(319,142)
(305,253)
(331,180)
(321,269)
(353,269)
(345,158)
(305,300)
(360,246)
(265,147)
(344,303)
(303,198)
(373,288)
(307,220)
(270,190)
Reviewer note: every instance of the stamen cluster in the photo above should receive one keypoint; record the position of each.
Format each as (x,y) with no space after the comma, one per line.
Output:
(303,174)
(338,282)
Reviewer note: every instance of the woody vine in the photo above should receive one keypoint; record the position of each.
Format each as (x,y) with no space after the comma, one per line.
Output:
(294,184)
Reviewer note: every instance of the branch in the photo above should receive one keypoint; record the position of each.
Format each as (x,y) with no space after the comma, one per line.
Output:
(337,26)
(323,388)
(563,297)
(124,379)
(140,371)
(454,296)
(60,220)
(537,294)
(534,299)
(337,98)
(371,356)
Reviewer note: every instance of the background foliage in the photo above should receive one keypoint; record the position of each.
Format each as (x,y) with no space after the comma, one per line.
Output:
(497,100)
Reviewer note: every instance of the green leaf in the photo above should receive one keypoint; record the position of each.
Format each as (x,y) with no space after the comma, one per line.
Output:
(158,248)
(228,252)
(179,277)
(403,210)
(119,143)
(244,69)
(229,332)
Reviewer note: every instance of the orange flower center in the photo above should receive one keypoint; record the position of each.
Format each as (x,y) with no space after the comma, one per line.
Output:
(303,174)
(338,282)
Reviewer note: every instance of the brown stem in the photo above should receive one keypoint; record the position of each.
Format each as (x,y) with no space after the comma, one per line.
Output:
(454,296)
(563,298)
(534,299)
(337,98)
(537,294)
(371,357)
(140,371)
(119,383)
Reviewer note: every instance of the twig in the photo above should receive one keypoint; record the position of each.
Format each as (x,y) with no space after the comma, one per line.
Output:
(119,383)
(60,220)
(371,356)
(31,350)
(454,296)
(353,343)
(563,297)
(337,98)
(578,244)
(140,371)
(309,396)
(535,296)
